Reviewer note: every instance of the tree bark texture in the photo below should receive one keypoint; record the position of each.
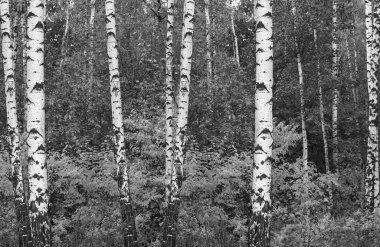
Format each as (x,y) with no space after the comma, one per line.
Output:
(130,235)
(261,180)
(170,169)
(181,129)
(16,177)
(321,106)
(372,148)
(302,97)
(208,43)
(335,74)
(235,39)
(37,169)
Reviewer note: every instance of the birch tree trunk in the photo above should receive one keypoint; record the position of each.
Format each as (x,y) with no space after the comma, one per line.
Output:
(70,4)
(208,43)
(335,71)
(170,170)
(16,177)
(301,83)
(236,45)
(169,238)
(261,201)
(321,107)
(130,235)
(372,148)
(92,36)
(38,181)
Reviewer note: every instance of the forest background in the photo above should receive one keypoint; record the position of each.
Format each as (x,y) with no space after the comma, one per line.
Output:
(215,205)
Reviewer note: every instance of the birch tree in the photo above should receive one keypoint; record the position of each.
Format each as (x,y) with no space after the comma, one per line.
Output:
(170,170)
(208,43)
(16,177)
(233,4)
(92,37)
(181,128)
(321,106)
(372,49)
(375,69)
(261,201)
(301,84)
(37,172)
(335,71)
(122,175)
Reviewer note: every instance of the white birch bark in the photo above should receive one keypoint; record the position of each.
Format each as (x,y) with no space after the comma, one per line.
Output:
(261,180)
(321,106)
(373,103)
(38,180)
(92,37)
(372,148)
(183,107)
(335,72)
(235,40)
(16,177)
(170,169)
(302,99)
(130,236)
(208,43)
(69,6)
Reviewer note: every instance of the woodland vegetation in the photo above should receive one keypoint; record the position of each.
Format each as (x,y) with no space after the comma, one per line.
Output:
(189,123)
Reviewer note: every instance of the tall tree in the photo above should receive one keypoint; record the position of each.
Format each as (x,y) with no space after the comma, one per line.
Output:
(372,148)
(321,106)
(372,12)
(261,201)
(375,68)
(16,177)
(234,36)
(181,129)
(91,60)
(69,6)
(122,176)
(208,43)
(37,172)
(335,72)
(301,84)
(170,170)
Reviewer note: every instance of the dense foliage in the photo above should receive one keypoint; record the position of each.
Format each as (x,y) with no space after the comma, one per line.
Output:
(215,205)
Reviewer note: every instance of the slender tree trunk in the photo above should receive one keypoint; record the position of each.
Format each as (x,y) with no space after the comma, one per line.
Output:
(92,37)
(24,56)
(236,45)
(170,170)
(374,152)
(130,236)
(372,148)
(321,107)
(261,201)
(64,37)
(183,106)
(208,43)
(38,181)
(8,51)
(335,72)
(301,83)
